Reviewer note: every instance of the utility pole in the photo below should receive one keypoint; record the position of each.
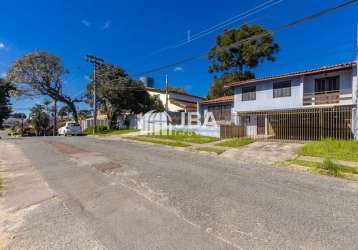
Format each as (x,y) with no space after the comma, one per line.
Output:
(54,132)
(166,93)
(95,61)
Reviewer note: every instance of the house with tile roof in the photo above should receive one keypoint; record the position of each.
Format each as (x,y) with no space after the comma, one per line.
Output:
(305,105)
(221,108)
(177,101)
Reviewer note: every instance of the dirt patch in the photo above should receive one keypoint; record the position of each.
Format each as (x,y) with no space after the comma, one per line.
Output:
(66,148)
(269,153)
(107,166)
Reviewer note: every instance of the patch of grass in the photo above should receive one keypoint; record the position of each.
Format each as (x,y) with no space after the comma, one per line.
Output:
(184,137)
(328,167)
(104,131)
(235,143)
(158,141)
(331,149)
(217,151)
(119,132)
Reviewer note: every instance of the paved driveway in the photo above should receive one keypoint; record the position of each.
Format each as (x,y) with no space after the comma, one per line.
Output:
(123,195)
(263,152)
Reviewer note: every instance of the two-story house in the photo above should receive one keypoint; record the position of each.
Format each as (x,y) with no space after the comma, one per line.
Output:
(305,105)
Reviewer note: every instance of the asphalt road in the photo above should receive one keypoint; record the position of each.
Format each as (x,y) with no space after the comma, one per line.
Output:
(135,196)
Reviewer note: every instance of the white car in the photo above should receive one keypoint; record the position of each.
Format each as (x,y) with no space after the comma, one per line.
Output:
(71,128)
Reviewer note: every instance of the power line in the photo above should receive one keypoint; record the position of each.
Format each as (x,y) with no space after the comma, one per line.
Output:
(221,25)
(258,36)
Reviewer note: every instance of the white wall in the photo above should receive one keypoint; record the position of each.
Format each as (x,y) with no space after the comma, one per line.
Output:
(264,97)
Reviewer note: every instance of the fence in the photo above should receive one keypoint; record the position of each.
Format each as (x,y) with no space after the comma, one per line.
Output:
(299,124)
(231,131)
(90,123)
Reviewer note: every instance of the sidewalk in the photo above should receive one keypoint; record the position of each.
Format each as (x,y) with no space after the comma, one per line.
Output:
(32,216)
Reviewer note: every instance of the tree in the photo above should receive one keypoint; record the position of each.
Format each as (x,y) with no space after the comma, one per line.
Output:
(64,111)
(40,119)
(40,73)
(5,106)
(217,88)
(175,89)
(236,55)
(118,94)
(22,117)
(84,114)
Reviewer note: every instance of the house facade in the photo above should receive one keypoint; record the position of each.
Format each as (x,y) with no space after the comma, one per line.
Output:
(307,105)
(177,101)
(222,109)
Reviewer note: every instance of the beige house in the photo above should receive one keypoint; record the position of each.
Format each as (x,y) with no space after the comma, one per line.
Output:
(177,101)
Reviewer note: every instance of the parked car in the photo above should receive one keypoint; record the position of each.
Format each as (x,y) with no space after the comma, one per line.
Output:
(70,128)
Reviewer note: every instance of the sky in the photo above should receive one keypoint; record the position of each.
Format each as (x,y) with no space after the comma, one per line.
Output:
(131,35)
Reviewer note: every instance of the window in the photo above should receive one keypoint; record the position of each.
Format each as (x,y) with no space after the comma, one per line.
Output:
(221,112)
(248,93)
(281,89)
(328,84)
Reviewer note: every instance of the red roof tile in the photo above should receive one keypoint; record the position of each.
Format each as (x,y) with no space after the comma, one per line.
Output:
(224,99)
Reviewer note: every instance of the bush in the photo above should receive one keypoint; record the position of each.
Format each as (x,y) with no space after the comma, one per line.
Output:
(100,129)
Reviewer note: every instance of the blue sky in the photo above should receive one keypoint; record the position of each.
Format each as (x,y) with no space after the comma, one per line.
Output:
(126,33)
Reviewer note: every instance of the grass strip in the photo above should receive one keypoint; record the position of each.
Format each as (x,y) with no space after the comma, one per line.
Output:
(331,149)
(184,137)
(330,168)
(156,141)
(235,143)
(117,132)
(217,151)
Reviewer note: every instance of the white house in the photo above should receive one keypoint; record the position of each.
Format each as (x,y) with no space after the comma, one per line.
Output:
(177,101)
(304,105)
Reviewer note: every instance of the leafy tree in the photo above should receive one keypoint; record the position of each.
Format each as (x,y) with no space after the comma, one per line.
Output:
(84,114)
(119,94)
(22,117)
(5,106)
(217,88)
(64,111)
(40,119)
(176,89)
(40,73)
(235,55)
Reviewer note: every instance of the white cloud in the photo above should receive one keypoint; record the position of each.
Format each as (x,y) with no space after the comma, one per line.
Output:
(3,74)
(85,22)
(177,69)
(107,24)
(2,45)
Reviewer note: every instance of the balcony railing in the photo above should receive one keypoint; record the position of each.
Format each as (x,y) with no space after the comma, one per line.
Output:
(327,97)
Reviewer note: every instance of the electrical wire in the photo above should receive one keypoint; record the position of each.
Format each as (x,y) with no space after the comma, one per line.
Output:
(207,31)
(258,36)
